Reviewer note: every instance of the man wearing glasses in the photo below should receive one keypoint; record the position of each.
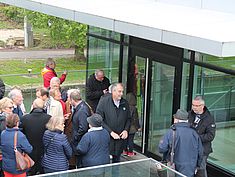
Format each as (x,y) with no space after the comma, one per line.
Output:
(203,122)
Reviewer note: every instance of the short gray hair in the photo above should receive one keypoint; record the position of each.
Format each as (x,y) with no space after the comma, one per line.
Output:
(75,95)
(55,79)
(200,99)
(114,86)
(99,71)
(14,93)
(72,90)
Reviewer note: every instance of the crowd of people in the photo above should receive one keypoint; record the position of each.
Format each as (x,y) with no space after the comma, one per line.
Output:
(63,131)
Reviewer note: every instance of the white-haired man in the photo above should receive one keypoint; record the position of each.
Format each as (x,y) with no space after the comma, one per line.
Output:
(203,122)
(16,96)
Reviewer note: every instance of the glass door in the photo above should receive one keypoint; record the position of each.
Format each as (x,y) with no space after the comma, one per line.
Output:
(139,89)
(160,103)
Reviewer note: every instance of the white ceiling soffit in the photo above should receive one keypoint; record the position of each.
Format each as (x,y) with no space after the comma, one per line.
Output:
(201,30)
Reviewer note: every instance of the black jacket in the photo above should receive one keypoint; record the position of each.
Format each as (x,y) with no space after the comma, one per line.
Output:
(2,89)
(94,90)
(33,126)
(205,128)
(114,119)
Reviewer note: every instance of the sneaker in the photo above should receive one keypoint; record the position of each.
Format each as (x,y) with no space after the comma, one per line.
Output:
(130,154)
(125,153)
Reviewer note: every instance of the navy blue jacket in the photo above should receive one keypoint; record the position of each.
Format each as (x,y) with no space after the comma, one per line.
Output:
(79,122)
(94,146)
(8,153)
(17,110)
(188,148)
(57,151)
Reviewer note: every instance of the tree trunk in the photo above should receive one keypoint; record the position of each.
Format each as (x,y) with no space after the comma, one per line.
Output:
(78,54)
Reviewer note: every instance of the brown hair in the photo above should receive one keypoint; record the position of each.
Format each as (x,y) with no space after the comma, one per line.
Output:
(11,120)
(49,61)
(44,91)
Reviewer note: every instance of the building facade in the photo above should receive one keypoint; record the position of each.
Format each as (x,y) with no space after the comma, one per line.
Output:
(166,78)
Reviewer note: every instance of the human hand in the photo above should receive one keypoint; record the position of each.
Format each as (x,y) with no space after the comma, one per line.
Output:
(66,116)
(124,134)
(105,91)
(65,72)
(115,135)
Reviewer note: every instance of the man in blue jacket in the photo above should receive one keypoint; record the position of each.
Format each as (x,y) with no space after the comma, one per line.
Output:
(188,150)
(79,121)
(94,145)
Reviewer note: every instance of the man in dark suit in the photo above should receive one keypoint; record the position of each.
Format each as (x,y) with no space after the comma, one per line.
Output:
(34,126)
(116,114)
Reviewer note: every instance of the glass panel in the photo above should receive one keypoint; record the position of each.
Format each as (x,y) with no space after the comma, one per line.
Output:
(187,54)
(124,67)
(140,83)
(103,55)
(161,101)
(29,82)
(225,62)
(184,86)
(104,33)
(218,90)
(135,168)
(126,38)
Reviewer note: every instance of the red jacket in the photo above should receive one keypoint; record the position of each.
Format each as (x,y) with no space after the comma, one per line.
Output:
(48,74)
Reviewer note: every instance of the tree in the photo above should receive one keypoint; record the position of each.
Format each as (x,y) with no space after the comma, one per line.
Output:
(63,33)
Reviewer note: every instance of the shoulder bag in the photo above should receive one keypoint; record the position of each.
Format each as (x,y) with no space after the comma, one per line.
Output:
(171,163)
(23,161)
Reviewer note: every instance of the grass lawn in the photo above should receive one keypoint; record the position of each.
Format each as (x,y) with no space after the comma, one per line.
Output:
(15,72)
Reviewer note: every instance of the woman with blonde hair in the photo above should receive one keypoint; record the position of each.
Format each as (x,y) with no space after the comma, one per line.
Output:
(7,146)
(57,150)
(6,107)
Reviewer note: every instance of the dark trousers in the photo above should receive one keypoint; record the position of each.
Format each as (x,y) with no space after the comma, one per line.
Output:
(202,170)
(116,158)
(130,142)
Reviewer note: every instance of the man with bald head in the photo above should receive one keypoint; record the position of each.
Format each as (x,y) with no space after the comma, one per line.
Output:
(96,86)
(34,126)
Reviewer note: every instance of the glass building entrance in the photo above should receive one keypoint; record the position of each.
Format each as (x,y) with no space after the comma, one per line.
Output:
(165,78)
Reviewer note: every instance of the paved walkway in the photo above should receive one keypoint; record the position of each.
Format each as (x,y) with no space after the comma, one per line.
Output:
(35,54)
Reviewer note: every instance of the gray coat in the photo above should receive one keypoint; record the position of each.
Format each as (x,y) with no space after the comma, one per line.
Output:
(114,119)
